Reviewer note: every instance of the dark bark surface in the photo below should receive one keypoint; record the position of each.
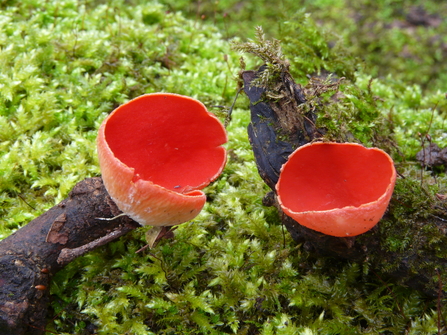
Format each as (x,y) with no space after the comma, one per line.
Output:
(264,131)
(271,150)
(33,254)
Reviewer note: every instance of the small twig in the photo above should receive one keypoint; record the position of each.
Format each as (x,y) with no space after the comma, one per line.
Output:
(439,218)
(142,248)
(23,199)
(111,219)
(230,111)
(67,255)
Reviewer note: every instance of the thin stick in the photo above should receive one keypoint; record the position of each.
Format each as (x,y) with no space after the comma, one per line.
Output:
(230,111)
(67,255)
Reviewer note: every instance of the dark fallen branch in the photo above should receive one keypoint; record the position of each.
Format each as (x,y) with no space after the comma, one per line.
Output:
(33,254)
(272,142)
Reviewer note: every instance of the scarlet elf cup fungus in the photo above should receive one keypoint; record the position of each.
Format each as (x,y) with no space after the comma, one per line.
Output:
(339,189)
(156,153)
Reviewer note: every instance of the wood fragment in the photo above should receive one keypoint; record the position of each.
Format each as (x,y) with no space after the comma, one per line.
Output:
(34,253)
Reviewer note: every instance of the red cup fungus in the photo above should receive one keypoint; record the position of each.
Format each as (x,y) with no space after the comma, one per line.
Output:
(339,189)
(156,153)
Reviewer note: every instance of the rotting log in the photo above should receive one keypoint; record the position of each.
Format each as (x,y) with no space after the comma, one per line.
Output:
(274,134)
(34,253)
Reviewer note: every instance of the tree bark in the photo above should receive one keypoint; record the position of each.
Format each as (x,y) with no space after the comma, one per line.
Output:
(33,254)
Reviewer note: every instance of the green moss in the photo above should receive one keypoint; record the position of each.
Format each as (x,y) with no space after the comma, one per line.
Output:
(234,269)
(378,32)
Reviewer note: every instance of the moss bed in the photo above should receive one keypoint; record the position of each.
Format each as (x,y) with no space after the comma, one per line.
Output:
(234,269)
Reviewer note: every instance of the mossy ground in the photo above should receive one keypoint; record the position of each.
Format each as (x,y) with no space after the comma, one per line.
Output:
(65,65)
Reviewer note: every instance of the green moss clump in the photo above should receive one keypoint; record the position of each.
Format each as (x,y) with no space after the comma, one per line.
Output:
(415,229)
(234,269)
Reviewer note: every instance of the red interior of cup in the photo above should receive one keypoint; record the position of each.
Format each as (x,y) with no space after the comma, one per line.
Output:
(170,140)
(327,176)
